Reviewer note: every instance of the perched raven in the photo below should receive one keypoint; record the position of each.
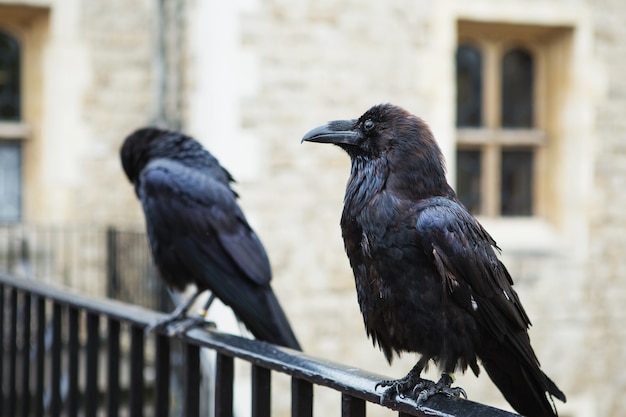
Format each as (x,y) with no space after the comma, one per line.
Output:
(427,276)
(197,232)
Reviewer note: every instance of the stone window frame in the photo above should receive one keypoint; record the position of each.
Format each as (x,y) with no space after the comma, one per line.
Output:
(546,44)
(494,40)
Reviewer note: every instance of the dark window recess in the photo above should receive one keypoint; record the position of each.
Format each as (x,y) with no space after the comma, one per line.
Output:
(517,89)
(468,86)
(516,182)
(9,78)
(10,181)
(468,176)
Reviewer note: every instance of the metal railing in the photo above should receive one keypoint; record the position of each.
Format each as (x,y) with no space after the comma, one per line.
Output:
(97,260)
(82,373)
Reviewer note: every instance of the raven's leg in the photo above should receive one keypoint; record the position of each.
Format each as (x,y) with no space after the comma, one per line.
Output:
(443,386)
(177,315)
(409,383)
(207,305)
(182,325)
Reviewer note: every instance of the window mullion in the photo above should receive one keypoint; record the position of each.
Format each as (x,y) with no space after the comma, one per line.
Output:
(491,87)
(491,151)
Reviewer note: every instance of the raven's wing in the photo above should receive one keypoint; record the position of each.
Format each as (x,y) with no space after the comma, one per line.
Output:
(464,254)
(186,207)
(199,234)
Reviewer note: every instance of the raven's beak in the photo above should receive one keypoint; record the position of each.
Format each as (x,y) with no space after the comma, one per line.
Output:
(338,132)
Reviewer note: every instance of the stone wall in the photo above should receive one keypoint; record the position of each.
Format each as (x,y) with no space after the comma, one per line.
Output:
(606,275)
(119,97)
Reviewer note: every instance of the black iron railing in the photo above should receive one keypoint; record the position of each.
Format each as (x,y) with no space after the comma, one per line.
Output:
(101,261)
(69,354)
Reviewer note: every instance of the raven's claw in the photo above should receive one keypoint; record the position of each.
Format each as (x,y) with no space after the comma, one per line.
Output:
(401,387)
(183,325)
(423,392)
(176,325)
(420,389)
(164,323)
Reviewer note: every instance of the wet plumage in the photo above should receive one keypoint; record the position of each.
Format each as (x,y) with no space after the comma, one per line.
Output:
(427,275)
(197,231)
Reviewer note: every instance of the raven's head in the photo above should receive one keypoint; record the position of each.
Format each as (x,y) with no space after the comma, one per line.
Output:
(379,130)
(390,135)
(138,149)
(149,143)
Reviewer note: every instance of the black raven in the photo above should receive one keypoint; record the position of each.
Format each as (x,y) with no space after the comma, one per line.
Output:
(427,276)
(197,232)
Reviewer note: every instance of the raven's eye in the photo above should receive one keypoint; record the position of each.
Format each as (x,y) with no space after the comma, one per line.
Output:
(368,125)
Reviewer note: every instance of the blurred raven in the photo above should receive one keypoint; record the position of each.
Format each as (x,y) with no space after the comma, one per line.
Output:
(197,232)
(427,276)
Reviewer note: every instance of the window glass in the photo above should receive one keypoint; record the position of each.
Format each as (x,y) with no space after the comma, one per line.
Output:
(10,181)
(9,78)
(468,86)
(517,80)
(516,182)
(468,174)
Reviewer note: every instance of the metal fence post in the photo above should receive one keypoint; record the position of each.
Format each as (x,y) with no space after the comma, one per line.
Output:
(111,259)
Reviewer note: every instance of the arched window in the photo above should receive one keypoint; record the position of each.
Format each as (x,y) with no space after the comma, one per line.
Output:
(469,86)
(517,78)
(9,78)
(10,147)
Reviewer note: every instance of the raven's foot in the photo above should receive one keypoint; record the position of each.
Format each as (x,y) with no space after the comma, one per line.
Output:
(181,326)
(177,324)
(402,386)
(423,392)
(164,324)
(179,314)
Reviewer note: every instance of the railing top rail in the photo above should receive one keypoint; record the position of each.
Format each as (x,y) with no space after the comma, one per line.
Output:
(349,380)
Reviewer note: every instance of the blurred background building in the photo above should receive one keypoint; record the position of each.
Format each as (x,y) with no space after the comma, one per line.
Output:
(526,97)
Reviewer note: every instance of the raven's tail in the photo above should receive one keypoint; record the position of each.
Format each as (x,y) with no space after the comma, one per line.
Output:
(273,327)
(514,368)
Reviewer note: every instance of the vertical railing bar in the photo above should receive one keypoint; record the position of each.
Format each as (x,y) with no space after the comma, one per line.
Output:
(136,371)
(113,368)
(261,391)
(55,357)
(12,394)
(2,384)
(111,262)
(301,398)
(91,364)
(352,406)
(224,378)
(26,326)
(73,396)
(191,402)
(40,357)
(162,379)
